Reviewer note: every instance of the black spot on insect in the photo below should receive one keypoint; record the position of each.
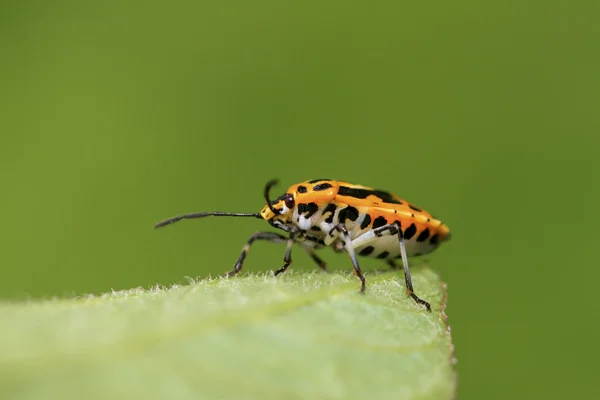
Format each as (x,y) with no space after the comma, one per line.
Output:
(302,189)
(379,222)
(387,197)
(410,232)
(366,251)
(383,255)
(319,180)
(365,222)
(312,209)
(414,208)
(302,208)
(331,209)
(358,193)
(321,186)
(434,239)
(315,228)
(423,235)
(350,213)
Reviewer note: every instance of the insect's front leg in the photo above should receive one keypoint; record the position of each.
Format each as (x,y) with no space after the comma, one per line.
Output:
(341,228)
(287,258)
(268,236)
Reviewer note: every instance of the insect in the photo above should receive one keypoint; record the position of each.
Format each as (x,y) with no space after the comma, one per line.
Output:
(349,218)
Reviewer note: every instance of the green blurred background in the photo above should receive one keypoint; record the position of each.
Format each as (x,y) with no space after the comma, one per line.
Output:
(117,114)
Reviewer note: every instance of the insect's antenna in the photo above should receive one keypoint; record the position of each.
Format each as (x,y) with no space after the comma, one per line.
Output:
(202,215)
(268,187)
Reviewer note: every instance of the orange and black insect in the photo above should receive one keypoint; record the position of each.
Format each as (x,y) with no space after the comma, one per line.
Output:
(349,218)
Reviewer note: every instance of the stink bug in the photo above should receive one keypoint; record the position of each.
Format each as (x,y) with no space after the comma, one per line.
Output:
(351,218)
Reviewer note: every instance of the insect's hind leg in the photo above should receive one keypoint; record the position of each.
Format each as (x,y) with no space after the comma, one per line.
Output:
(392,264)
(350,249)
(268,236)
(407,278)
(386,230)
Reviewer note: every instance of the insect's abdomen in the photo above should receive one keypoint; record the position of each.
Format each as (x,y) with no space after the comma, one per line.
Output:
(421,236)
(422,233)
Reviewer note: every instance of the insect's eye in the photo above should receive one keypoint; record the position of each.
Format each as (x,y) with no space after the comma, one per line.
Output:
(289,201)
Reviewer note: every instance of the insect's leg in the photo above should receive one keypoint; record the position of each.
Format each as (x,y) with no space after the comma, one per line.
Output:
(392,264)
(287,258)
(393,229)
(316,258)
(407,278)
(368,237)
(350,249)
(269,236)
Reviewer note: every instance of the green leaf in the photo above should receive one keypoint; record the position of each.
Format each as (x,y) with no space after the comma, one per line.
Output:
(298,336)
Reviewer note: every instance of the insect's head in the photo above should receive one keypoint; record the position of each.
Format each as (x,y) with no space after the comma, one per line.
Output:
(281,209)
